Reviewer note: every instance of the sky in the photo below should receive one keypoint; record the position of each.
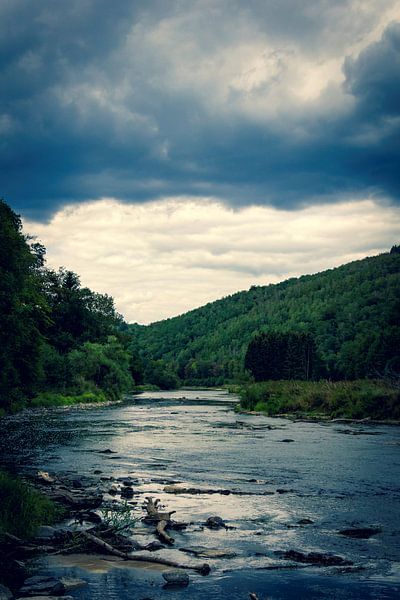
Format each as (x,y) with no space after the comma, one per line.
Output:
(175,151)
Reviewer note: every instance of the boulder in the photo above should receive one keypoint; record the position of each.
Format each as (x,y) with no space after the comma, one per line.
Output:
(361,533)
(215,523)
(45,532)
(42,586)
(176,578)
(72,583)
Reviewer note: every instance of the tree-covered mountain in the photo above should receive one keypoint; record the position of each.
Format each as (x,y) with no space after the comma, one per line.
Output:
(352,313)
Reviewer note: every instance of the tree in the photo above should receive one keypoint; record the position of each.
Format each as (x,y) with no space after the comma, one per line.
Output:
(278,355)
(23,310)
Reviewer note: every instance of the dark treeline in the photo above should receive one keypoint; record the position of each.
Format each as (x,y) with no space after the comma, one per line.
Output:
(350,315)
(57,338)
(276,355)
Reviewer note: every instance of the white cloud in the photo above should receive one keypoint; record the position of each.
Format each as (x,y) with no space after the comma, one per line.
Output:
(165,257)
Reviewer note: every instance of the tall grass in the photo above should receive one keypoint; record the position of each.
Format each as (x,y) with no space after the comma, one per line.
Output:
(22,508)
(349,399)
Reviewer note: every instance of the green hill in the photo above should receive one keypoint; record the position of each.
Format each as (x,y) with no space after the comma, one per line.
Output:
(352,312)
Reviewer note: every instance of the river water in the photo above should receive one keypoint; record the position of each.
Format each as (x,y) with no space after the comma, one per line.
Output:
(277,472)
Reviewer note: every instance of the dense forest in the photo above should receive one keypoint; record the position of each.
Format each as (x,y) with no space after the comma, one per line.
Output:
(59,342)
(351,314)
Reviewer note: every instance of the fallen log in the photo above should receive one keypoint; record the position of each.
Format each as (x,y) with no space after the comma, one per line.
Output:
(204,569)
(162,534)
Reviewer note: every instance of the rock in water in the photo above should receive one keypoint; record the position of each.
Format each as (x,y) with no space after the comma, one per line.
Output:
(361,533)
(215,523)
(45,532)
(72,583)
(42,586)
(178,578)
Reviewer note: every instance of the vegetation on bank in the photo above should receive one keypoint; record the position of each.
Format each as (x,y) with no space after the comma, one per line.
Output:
(60,343)
(351,314)
(375,399)
(22,508)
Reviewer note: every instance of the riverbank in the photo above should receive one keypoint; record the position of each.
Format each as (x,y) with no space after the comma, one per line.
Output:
(375,400)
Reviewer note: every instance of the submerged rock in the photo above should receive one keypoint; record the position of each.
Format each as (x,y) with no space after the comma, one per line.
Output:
(314,558)
(42,586)
(305,522)
(361,533)
(203,552)
(176,578)
(72,583)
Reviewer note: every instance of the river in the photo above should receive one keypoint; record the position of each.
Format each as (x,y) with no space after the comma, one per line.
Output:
(288,486)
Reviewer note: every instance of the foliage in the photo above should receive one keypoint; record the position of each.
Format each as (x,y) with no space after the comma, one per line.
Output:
(50,399)
(349,399)
(22,310)
(103,367)
(119,517)
(23,509)
(60,343)
(351,312)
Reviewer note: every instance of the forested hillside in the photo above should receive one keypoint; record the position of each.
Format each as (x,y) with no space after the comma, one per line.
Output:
(352,313)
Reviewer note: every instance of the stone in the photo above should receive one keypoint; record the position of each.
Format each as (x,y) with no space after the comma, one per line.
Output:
(45,532)
(202,552)
(5,593)
(127,492)
(72,583)
(305,522)
(42,586)
(361,533)
(314,558)
(215,523)
(178,578)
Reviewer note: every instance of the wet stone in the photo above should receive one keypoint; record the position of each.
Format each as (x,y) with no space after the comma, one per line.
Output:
(314,558)
(176,578)
(42,586)
(45,532)
(361,533)
(215,523)
(305,522)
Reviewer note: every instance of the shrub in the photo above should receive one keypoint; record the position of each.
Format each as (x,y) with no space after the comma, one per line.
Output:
(22,508)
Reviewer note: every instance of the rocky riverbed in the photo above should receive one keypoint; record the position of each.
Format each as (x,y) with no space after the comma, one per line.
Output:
(279,509)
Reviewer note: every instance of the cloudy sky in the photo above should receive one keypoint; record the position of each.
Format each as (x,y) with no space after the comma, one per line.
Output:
(174,151)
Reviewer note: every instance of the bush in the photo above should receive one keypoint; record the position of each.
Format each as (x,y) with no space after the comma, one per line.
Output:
(23,509)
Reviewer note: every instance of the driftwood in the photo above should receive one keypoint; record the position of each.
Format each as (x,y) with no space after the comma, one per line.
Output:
(153,514)
(163,520)
(162,534)
(204,569)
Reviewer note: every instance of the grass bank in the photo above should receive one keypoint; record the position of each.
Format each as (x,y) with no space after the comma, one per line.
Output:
(359,399)
(22,508)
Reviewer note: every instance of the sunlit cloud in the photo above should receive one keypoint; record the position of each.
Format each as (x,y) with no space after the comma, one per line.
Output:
(165,257)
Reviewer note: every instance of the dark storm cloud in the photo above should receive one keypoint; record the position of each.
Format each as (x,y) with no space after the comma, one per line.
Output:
(139,100)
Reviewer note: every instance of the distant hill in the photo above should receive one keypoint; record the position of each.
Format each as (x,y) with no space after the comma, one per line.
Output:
(353,313)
